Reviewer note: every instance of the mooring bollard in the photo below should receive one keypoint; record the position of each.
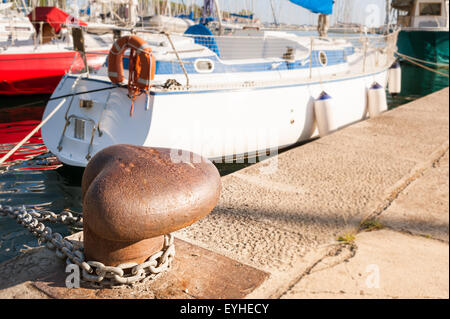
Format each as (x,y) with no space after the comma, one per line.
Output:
(133,196)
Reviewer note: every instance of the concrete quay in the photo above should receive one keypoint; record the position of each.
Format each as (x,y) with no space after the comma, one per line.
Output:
(361,213)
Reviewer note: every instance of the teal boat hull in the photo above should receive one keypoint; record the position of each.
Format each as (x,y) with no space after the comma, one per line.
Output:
(426,45)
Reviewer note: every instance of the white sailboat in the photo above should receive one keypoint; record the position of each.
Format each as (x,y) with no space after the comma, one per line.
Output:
(14,25)
(221,96)
(164,20)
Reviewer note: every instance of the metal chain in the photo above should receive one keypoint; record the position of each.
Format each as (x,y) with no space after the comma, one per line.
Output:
(94,272)
(66,217)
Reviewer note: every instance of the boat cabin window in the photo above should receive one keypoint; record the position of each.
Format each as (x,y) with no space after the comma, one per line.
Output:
(204,66)
(323,58)
(430,9)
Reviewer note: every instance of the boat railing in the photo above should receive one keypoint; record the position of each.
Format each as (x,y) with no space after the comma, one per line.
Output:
(309,57)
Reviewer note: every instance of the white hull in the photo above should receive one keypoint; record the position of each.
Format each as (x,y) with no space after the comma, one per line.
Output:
(256,92)
(215,124)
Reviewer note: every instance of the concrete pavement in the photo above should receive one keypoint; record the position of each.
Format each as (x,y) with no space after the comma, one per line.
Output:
(407,256)
(286,221)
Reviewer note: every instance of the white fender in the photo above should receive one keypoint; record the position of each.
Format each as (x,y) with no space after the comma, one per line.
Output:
(324,114)
(395,79)
(377,102)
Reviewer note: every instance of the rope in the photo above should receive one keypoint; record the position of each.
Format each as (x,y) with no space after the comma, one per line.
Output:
(15,148)
(63,96)
(29,104)
(85,92)
(423,61)
(12,151)
(421,65)
(178,57)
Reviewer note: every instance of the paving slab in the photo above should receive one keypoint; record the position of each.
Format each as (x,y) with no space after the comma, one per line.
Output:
(423,207)
(387,264)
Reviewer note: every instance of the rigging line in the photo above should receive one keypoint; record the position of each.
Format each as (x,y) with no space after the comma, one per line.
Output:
(273,13)
(425,67)
(68,95)
(29,104)
(85,92)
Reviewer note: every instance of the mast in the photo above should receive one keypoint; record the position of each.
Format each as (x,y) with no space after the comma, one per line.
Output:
(219,16)
(169,7)
(323,7)
(253,10)
(388,13)
(131,12)
(273,13)
(24,7)
(323,25)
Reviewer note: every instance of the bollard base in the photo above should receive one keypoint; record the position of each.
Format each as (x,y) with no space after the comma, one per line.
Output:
(196,273)
(114,253)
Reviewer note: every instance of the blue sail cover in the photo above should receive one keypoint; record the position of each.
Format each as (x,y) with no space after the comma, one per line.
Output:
(189,16)
(243,16)
(205,38)
(316,6)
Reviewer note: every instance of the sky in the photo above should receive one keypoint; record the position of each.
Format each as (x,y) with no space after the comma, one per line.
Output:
(371,12)
(367,12)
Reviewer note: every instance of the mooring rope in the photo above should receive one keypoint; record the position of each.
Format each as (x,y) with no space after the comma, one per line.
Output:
(408,58)
(23,141)
(422,61)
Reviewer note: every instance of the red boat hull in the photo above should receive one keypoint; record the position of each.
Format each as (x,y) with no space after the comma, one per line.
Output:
(40,73)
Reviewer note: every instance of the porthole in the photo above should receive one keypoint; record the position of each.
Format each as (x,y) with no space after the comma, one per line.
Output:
(204,66)
(323,59)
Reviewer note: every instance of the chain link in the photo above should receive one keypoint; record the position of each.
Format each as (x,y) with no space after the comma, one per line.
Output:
(94,272)
(66,217)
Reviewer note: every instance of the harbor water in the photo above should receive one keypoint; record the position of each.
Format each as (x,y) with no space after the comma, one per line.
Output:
(34,177)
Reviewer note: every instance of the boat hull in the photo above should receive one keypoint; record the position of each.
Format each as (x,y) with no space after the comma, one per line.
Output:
(40,73)
(217,124)
(432,45)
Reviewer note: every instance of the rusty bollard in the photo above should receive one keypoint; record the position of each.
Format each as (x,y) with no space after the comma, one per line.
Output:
(133,196)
